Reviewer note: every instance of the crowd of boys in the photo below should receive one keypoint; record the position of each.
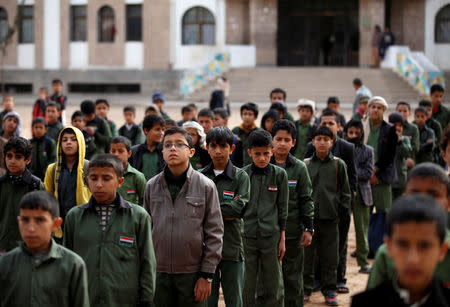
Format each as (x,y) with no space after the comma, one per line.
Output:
(165,213)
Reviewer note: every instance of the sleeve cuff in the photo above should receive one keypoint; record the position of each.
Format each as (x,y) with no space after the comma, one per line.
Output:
(282,224)
(206,275)
(308,223)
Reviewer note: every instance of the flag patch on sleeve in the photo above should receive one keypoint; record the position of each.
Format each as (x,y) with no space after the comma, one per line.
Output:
(126,241)
(228,194)
(131,191)
(272,188)
(292,183)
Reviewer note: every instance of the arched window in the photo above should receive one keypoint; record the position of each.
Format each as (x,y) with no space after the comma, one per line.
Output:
(3,24)
(442,25)
(106,27)
(199,27)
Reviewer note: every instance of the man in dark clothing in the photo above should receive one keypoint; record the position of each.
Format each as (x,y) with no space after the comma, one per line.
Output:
(387,40)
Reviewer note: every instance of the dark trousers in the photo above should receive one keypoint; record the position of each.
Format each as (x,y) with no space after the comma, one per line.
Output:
(231,275)
(176,290)
(344,226)
(292,266)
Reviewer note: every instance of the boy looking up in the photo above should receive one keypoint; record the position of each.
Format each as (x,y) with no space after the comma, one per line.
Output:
(54,125)
(249,114)
(409,130)
(131,130)
(299,226)
(440,112)
(206,119)
(44,148)
(233,187)
(427,138)
(133,187)
(305,126)
(415,240)
(17,182)
(102,109)
(264,223)
(60,99)
(147,158)
(96,127)
(114,238)
(41,272)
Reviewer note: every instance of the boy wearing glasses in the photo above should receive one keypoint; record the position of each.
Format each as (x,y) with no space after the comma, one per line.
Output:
(187,225)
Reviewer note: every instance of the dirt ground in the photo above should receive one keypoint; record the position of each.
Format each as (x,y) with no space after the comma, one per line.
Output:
(355,281)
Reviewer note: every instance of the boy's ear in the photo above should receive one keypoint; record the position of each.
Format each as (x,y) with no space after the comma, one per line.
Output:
(313,141)
(249,152)
(129,154)
(57,222)
(443,251)
(28,160)
(233,147)
(145,131)
(120,181)
(294,141)
(191,152)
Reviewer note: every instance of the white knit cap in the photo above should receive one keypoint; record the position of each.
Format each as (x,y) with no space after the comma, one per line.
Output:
(306,103)
(379,100)
(200,132)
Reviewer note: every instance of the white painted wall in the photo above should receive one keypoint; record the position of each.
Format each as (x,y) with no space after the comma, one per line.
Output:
(51,34)
(78,2)
(25,55)
(79,55)
(133,1)
(242,55)
(27,2)
(134,55)
(439,54)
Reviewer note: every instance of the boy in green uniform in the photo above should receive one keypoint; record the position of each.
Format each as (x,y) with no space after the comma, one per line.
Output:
(133,186)
(279,95)
(428,179)
(41,272)
(299,226)
(363,107)
(147,158)
(305,126)
(233,187)
(436,127)
(54,125)
(427,138)
(114,238)
(331,188)
(44,148)
(131,130)
(440,113)
(264,223)
(79,121)
(249,114)
(96,127)
(102,109)
(409,129)
(17,182)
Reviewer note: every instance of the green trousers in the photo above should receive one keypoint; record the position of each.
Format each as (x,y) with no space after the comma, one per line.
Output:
(325,245)
(231,275)
(176,290)
(361,218)
(293,274)
(382,196)
(261,262)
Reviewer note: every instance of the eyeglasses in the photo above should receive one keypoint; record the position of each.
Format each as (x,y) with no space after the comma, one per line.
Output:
(180,146)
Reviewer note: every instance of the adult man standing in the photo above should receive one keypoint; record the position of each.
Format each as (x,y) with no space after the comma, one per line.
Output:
(187,225)
(361,90)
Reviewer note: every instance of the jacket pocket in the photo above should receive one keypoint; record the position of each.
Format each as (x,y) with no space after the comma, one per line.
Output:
(195,207)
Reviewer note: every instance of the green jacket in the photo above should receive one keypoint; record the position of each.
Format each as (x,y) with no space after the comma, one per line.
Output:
(133,187)
(301,205)
(412,132)
(383,268)
(54,130)
(402,151)
(233,187)
(331,188)
(425,153)
(267,210)
(112,127)
(43,153)
(442,116)
(244,139)
(10,196)
(102,135)
(120,260)
(437,129)
(59,279)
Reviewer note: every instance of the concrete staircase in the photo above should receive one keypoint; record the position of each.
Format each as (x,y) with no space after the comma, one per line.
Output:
(255,84)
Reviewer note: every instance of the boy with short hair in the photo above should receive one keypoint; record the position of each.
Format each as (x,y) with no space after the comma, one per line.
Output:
(39,263)
(436,127)
(415,240)
(44,148)
(17,182)
(305,126)
(299,225)
(114,238)
(409,130)
(60,99)
(133,186)
(363,107)
(158,100)
(427,138)
(440,112)
(249,114)
(264,222)
(187,112)
(333,104)
(233,187)
(206,119)
(221,117)
(79,121)
(102,109)
(96,127)
(221,120)
(147,157)
(331,189)
(130,129)
(54,125)
(279,95)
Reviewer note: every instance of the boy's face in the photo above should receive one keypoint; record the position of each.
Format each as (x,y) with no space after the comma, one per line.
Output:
(129,117)
(283,142)
(353,133)
(69,144)
(436,98)
(194,134)
(57,87)
(8,103)
(220,121)
(42,94)
(363,106)
(334,106)
(206,122)
(398,128)
(52,114)
(36,227)
(268,123)
(416,250)
(248,117)
(155,134)
(159,103)
(188,116)
(103,183)
(78,122)
(322,144)
(305,114)
(176,156)
(429,111)
(220,152)
(38,130)
(10,124)
(420,118)
(277,96)
(16,162)
(404,111)
(102,110)
(376,112)
(431,187)
(120,151)
(330,122)
(261,155)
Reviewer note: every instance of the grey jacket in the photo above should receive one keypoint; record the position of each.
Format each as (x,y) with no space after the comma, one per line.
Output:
(187,234)
(364,169)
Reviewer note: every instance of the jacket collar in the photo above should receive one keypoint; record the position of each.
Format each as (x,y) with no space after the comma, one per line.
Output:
(290,160)
(265,171)
(329,157)
(119,201)
(228,172)
(53,253)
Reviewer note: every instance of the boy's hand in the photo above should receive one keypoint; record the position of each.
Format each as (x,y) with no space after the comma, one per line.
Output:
(429,140)
(410,162)
(374,180)
(89,130)
(306,238)
(281,247)
(202,289)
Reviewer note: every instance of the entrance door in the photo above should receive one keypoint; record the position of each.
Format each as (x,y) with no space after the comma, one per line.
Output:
(318,33)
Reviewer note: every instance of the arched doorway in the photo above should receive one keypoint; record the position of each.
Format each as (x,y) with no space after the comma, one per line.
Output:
(318,32)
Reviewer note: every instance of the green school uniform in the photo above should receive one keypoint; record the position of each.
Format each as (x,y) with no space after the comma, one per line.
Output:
(243,136)
(59,278)
(289,117)
(43,153)
(150,164)
(412,132)
(402,151)
(357,116)
(442,115)
(425,153)
(121,260)
(102,135)
(54,130)
(302,139)
(112,127)
(133,187)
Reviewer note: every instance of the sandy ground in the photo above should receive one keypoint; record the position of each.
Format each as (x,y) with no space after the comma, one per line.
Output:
(355,281)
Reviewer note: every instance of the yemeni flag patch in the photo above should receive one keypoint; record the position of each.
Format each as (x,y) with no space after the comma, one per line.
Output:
(228,194)
(292,183)
(126,241)
(131,191)
(272,188)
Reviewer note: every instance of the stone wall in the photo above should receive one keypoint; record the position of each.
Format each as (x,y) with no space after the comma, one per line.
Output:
(371,13)
(408,23)
(237,22)
(263,30)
